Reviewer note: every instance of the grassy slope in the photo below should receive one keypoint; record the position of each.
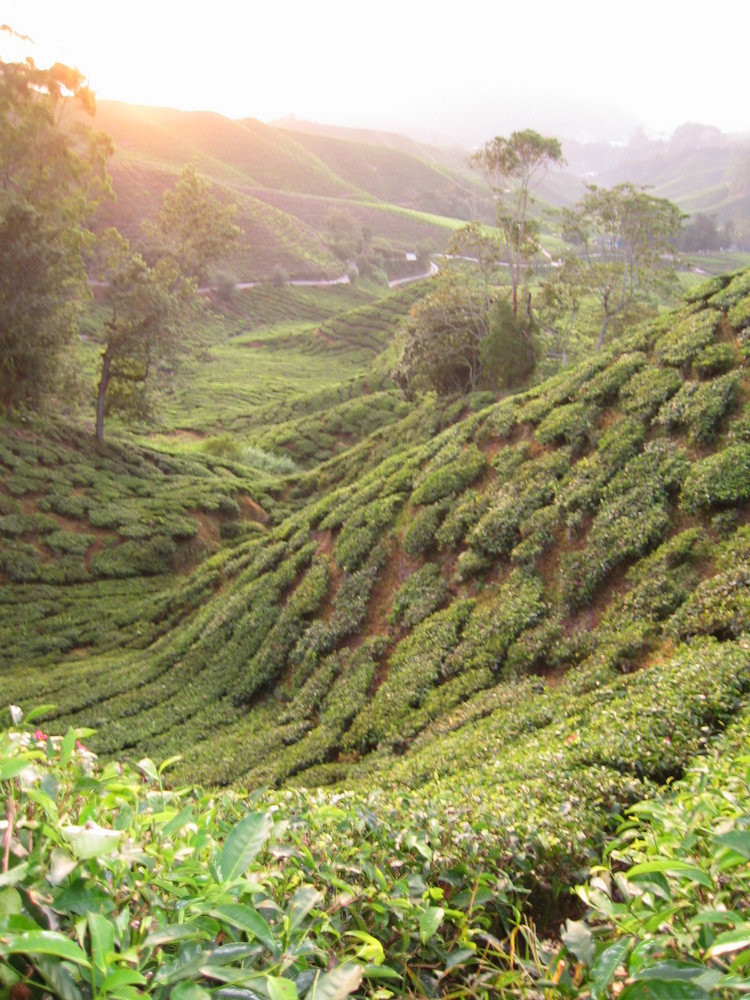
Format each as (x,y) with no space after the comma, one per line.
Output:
(544,605)
(391,175)
(284,189)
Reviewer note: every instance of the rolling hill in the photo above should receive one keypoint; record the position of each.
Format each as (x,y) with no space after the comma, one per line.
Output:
(285,184)
(541,607)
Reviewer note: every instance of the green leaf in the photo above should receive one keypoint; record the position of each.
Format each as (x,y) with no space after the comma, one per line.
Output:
(716,917)
(91,840)
(39,710)
(605,966)
(45,943)
(242,844)
(68,746)
(579,940)
(335,985)
(122,977)
(60,866)
(147,767)
(14,875)
(459,957)
(59,978)
(174,932)
(302,902)
(281,989)
(734,940)
(80,898)
(15,765)
(248,920)
(102,939)
(674,867)
(659,989)
(10,902)
(383,972)
(673,971)
(168,762)
(189,991)
(177,822)
(736,840)
(371,950)
(430,919)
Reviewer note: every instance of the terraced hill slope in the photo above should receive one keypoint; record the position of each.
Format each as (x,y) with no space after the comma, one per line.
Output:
(285,185)
(538,613)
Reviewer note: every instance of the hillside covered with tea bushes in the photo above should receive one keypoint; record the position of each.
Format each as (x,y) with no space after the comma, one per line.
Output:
(534,612)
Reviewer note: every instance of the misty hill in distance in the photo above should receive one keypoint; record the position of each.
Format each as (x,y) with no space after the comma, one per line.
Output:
(288,176)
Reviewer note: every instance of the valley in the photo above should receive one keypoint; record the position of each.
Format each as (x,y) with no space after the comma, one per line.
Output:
(323,680)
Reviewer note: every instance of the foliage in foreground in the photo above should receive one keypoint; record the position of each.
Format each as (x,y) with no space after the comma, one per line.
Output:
(667,911)
(114,885)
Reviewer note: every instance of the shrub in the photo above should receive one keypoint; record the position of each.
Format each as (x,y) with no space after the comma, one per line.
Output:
(420,532)
(418,597)
(452,478)
(720,480)
(699,406)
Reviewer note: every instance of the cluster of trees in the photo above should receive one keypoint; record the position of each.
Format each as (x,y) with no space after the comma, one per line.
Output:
(53,175)
(703,233)
(485,325)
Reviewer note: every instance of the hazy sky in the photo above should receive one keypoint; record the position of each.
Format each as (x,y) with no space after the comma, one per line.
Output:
(387,62)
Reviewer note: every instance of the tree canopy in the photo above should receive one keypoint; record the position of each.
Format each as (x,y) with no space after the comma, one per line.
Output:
(52,176)
(622,249)
(151,304)
(512,166)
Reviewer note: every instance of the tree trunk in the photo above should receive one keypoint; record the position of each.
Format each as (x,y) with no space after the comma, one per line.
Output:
(603,333)
(102,395)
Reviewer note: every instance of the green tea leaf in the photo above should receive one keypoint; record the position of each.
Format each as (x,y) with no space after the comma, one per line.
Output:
(102,939)
(122,977)
(659,989)
(605,966)
(249,920)
(14,875)
(39,710)
(429,921)
(68,746)
(335,985)
(730,941)
(10,902)
(59,977)
(371,950)
(34,943)
(281,989)
(242,845)
(174,932)
(673,971)
(579,940)
(15,765)
(302,902)
(672,866)
(189,991)
(91,840)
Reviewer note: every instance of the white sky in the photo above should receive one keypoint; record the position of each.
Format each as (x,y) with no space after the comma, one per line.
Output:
(383,62)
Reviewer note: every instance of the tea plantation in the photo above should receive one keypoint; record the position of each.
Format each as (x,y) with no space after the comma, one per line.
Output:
(441,655)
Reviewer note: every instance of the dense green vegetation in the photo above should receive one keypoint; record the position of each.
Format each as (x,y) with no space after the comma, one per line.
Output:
(416,663)
(537,613)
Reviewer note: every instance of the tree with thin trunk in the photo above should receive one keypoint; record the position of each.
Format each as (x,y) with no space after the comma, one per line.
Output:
(622,250)
(152,305)
(512,166)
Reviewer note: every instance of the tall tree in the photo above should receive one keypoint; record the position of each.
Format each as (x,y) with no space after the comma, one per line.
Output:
(52,176)
(152,304)
(512,166)
(623,245)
